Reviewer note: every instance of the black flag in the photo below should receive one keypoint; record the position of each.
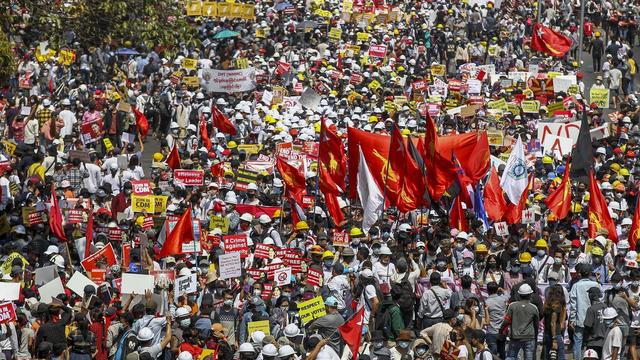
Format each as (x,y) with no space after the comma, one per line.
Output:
(582,155)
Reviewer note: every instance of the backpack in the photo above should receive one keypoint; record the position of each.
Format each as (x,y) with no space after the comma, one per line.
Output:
(127,343)
(407,299)
(494,356)
(384,324)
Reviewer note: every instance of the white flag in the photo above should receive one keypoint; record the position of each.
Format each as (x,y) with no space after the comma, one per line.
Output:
(514,178)
(370,195)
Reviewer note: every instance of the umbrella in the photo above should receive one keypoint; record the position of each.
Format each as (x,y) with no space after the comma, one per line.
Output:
(283,5)
(226,34)
(125,51)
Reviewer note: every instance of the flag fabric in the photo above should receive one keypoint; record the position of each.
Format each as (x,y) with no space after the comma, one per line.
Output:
(182,233)
(414,155)
(395,166)
(173,160)
(582,154)
(478,207)
(634,233)
(457,218)
(89,235)
(292,177)
(471,149)
(513,214)
(441,172)
(514,178)
(494,202)
(142,124)
(599,216)
(559,202)
(550,42)
(351,332)
(204,134)
(55,216)
(412,186)
(221,122)
(460,185)
(371,196)
(333,170)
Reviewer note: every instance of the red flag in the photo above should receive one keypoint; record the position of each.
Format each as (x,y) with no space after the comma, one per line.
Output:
(634,233)
(88,235)
(351,332)
(332,161)
(549,42)
(204,134)
(441,172)
(182,233)
(173,160)
(397,158)
(599,217)
(221,122)
(55,216)
(494,203)
(331,202)
(412,188)
(513,214)
(559,202)
(141,122)
(293,179)
(457,218)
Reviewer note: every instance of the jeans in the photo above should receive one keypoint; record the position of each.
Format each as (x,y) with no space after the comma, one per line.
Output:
(547,346)
(578,334)
(528,347)
(496,344)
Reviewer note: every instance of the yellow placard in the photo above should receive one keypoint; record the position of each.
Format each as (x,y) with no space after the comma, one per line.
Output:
(262,325)
(553,107)
(250,149)
(194,8)
(311,309)
(224,9)
(496,137)
(438,70)
(207,353)
(160,204)
(143,203)
(497,104)
(209,8)
(513,108)
(374,85)
(552,74)
(335,34)
(362,36)
(191,81)
(530,106)
(573,89)
(219,222)
(242,63)
(260,33)
(6,265)
(347,5)
(108,146)
(9,147)
(189,64)
(66,57)
(600,97)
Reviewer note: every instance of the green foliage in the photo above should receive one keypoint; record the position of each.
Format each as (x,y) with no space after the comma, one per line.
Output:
(7,59)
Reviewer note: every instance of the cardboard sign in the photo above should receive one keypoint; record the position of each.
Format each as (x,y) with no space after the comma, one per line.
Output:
(50,290)
(600,97)
(145,203)
(282,276)
(9,147)
(236,243)
(311,309)
(528,216)
(230,265)
(78,282)
(530,106)
(189,177)
(185,285)
(45,274)
(438,70)
(7,312)
(136,283)
(83,156)
(219,222)
(189,64)
(141,187)
(9,291)
(101,259)
(496,137)
(262,325)
(335,34)
(502,229)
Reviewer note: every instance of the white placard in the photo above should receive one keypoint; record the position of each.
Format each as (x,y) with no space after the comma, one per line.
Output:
(561,83)
(136,283)
(46,274)
(229,81)
(78,281)
(9,291)
(528,216)
(474,86)
(267,97)
(282,276)
(502,229)
(230,265)
(50,290)
(558,145)
(185,285)
(568,130)
(310,99)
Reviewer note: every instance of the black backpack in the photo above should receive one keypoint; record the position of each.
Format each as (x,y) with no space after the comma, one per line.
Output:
(406,299)
(384,324)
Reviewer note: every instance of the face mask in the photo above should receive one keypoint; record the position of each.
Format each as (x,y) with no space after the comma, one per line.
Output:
(460,317)
(356,241)
(460,246)
(376,251)
(541,253)
(328,263)
(257,292)
(467,261)
(420,351)
(557,261)
(552,282)
(618,196)
(228,303)
(623,252)
(403,344)
(204,270)
(378,345)
(420,251)
(607,322)
(476,309)
(515,269)
(492,265)
(185,323)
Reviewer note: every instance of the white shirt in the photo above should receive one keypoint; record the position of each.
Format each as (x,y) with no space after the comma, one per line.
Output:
(613,339)
(338,285)
(366,299)
(384,273)
(92,182)
(69,119)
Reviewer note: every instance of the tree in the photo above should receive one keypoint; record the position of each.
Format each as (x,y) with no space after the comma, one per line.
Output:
(7,59)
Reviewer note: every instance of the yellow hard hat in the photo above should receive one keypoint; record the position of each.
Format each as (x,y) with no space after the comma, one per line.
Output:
(541,243)
(623,172)
(439,26)
(547,159)
(597,251)
(229,173)
(232,145)
(406,132)
(327,254)
(140,220)
(481,248)
(158,157)
(354,232)
(277,213)
(615,184)
(538,197)
(597,34)
(576,208)
(316,127)
(525,257)
(615,167)
(302,225)
(373,119)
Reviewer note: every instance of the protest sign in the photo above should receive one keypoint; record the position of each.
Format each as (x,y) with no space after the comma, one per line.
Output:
(9,291)
(160,204)
(568,130)
(310,99)
(236,243)
(262,325)
(45,274)
(102,258)
(141,187)
(81,155)
(189,64)
(136,283)
(557,145)
(189,177)
(600,97)
(230,265)
(75,216)
(528,216)
(282,276)
(50,290)
(502,229)
(98,276)
(562,83)
(600,132)
(9,147)
(91,131)
(163,278)
(78,282)
(7,264)
(229,81)
(311,309)
(314,277)
(530,106)
(144,203)
(438,70)
(219,222)
(185,285)
(495,137)
(7,312)
(378,51)
(335,34)
(244,177)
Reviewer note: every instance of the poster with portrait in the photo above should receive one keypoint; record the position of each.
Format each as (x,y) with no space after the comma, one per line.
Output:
(91,131)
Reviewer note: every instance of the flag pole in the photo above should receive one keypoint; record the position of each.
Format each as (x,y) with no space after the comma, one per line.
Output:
(581,39)
(284,191)
(386,177)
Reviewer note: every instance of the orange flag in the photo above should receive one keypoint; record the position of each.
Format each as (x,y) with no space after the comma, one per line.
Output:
(457,218)
(634,233)
(182,233)
(559,202)
(599,217)
(173,160)
(494,203)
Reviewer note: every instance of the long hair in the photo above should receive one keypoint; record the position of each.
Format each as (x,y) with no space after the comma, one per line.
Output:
(554,300)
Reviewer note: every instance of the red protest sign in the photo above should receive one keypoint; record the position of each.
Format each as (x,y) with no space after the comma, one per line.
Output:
(100,259)
(141,187)
(115,234)
(98,276)
(262,251)
(147,223)
(7,312)
(118,283)
(75,216)
(189,177)
(308,200)
(314,277)
(36,218)
(210,242)
(379,51)
(126,254)
(419,85)
(267,291)
(355,79)
(236,243)
(340,238)
(256,274)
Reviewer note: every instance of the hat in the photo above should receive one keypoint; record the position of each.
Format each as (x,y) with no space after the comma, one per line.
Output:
(406,335)
(525,289)
(331,301)
(291,330)
(609,313)
(366,273)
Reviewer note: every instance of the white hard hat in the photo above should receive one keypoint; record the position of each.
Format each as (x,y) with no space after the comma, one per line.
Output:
(246,348)
(404,227)
(626,221)
(199,96)
(631,255)
(65,102)
(601,240)
(264,219)
(252,186)
(268,241)
(145,334)
(609,313)
(606,186)
(174,125)
(182,311)
(185,355)
(269,350)
(525,289)
(463,235)
(385,251)
(291,330)
(52,249)
(623,244)
(46,102)
(246,217)
(58,260)
(192,128)
(221,101)
(601,150)
(184,272)
(286,351)
(257,336)
(230,198)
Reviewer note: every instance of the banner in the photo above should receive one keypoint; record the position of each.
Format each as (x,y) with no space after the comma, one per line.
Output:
(7,312)
(143,203)
(569,130)
(160,204)
(189,177)
(311,309)
(230,265)
(600,97)
(530,106)
(378,51)
(91,131)
(141,187)
(101,259)
(262,325)
(236,243)
(229,81)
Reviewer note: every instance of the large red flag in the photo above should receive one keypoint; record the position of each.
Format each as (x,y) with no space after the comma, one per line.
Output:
(397,158)
(88,235)
(545,40)
(333,170)
(141,122)
(221,122)
(457,218)
(599,216)
(441,172)
(495,204)
(173,160)
(204,134)
(559,202)
(182,233)
(55,216)
(293,179)
(412,185)
(513,215)
(634,233)
(351,332)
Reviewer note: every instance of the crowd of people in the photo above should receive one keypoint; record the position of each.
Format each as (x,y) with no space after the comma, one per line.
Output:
(236,200)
